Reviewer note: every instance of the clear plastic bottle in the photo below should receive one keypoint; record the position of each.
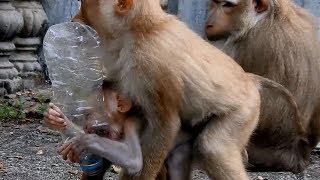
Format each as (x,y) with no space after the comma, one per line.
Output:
(72,52)
(73,56)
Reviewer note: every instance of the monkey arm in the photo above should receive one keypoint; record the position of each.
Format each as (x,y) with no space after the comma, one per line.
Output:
(55,118)
(156,143)
(72,129)
(126,154)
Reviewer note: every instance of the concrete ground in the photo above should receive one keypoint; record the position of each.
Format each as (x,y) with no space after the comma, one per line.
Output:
(28,151)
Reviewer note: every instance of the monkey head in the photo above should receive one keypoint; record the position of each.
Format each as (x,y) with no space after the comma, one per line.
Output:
(111,18)
(117,111)
(233,17)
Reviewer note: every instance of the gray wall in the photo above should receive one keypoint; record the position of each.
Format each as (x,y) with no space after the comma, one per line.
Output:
(312,5)
(60,10)
(193,12)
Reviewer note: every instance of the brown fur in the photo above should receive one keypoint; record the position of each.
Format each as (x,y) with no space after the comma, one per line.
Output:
(176,78)
(279,43)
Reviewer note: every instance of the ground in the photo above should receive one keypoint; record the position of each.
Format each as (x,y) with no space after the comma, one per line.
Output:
(29,151)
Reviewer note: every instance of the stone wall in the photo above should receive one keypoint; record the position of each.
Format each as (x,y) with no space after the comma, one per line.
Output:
(22,23)
(60,10)
(194,12)
(312,6)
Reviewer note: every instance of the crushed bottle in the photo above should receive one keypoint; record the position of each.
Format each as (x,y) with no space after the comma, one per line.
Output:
(73,56)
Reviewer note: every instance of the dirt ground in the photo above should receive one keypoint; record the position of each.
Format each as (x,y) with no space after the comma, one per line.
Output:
(28,151)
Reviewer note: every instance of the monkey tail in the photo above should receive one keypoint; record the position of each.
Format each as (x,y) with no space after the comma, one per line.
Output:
(284,92)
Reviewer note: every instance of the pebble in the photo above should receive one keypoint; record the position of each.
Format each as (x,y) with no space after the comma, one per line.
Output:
(2,167)
(260,178)
(40,152)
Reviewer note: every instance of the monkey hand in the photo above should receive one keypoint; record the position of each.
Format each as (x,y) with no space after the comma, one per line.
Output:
(67,151)
(55,118)
(73,149)
(86,142)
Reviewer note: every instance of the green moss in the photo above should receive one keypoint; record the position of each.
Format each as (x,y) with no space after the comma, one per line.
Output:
(41,109)
(41,98)
(15,111)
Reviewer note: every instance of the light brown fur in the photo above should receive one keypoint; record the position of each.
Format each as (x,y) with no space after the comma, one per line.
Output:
(177,78)
(278,40)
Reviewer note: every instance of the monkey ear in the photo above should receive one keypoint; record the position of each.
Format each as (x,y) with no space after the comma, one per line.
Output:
(123,6)
(124,104)
(261,5)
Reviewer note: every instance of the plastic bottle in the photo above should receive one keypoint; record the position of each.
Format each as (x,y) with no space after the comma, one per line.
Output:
(72,52)
(73,55)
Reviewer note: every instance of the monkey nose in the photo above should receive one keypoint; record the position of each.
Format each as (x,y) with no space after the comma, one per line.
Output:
(208,29)
(209,26)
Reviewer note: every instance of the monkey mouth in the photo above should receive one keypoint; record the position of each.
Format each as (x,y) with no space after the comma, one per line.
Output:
(218,37)
(115,134)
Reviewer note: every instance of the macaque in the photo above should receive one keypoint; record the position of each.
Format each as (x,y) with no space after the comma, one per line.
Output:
(116,139)
(177,79)
(125,152)
(122,146)
(117,142)
(278,40)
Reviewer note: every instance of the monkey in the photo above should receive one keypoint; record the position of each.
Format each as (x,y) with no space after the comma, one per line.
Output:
(110,134)
(177,78)
(119,111)
(124,151)
(154,63)
(275,39)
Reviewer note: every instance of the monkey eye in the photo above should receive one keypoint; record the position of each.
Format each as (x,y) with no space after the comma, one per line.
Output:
(228,4)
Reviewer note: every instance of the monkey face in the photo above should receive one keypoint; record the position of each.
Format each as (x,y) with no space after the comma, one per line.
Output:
(220,23)
(228,17)
(90,14)
(117,108)
(107,17)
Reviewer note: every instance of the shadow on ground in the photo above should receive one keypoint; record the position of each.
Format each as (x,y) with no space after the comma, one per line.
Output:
(28,151)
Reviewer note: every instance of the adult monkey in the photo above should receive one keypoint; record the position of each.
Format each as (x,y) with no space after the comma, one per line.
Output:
(176,78)
(278,40)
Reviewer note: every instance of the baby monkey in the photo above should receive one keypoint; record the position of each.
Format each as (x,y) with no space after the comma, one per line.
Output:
(118,140)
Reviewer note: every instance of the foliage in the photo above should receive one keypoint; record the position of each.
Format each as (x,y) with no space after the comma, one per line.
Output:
(14,111)
(24,106)
(43,106)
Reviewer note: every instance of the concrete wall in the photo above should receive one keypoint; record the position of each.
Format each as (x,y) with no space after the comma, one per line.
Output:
(194,12)
(60,10)
(312,6)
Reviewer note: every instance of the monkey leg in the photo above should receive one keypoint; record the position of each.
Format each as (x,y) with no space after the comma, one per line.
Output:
(223,163)
(315,128)
(219,147)
(294,158)
(163,174)
(179,162)
(245,157)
